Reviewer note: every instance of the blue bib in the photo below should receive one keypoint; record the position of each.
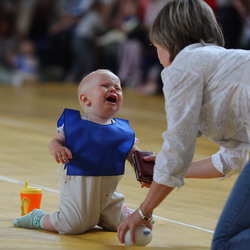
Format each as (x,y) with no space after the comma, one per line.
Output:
(97,150)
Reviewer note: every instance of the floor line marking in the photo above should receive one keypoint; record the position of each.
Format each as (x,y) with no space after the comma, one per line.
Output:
(184,224)
(4,178)
(10,180)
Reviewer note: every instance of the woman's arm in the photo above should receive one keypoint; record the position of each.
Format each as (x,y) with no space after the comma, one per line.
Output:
(198,169)
(157,193)
(155,196)
(203,169)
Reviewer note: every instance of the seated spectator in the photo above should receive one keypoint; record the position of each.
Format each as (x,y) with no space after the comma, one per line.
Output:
(230,21)
(26,64)
(7,46)
(138,65)
(59,57)
(83,50)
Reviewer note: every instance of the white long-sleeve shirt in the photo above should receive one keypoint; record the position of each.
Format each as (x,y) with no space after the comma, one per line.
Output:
(206,90)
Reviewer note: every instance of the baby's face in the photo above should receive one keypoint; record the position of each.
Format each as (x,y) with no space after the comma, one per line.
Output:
(104,93)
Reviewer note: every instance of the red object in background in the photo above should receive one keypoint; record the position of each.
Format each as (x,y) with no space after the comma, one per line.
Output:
(211,3)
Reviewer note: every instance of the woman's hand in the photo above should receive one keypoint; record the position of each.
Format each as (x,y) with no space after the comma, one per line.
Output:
(145,184)
(150,158)
(156,194)
(130,223)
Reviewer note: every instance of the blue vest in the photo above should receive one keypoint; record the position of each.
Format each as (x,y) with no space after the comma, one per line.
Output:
(97,150)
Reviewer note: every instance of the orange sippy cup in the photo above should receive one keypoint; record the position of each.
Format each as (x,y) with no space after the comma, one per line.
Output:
(30,198)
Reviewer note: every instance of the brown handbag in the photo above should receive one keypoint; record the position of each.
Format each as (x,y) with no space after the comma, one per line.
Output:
(143,169)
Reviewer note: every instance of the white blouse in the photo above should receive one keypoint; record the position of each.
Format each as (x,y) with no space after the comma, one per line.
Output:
(207,91)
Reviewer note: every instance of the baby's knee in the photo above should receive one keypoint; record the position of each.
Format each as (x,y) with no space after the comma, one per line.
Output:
(78,228)
(71,224)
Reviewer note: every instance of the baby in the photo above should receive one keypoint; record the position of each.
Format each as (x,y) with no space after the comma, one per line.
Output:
(94,147)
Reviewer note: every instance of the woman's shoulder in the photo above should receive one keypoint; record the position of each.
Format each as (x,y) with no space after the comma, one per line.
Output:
(200,51)
(205,58)
(209,51)
(195,59)
(198,56)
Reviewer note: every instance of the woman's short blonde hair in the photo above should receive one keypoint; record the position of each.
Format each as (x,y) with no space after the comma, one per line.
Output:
(184,22)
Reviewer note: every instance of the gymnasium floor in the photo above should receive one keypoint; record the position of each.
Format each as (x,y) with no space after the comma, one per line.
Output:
(28,115)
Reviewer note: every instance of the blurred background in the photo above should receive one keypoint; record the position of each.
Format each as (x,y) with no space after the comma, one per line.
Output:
(63,40)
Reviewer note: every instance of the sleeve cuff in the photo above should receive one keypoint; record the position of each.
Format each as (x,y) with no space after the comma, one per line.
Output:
(167,180)
(216,160)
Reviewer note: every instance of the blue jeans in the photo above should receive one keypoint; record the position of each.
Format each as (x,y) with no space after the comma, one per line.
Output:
(233,228)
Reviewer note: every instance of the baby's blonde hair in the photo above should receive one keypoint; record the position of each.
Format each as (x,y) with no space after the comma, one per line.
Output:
(88,78)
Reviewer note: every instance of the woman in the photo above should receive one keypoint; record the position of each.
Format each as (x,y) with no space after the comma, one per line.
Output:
(206,90)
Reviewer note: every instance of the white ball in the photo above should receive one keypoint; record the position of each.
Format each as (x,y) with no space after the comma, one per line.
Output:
(143,236)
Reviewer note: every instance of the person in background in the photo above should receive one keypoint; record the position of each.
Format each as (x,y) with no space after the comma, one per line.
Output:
(26,64)
(90,25)
(8,44)
(231,23)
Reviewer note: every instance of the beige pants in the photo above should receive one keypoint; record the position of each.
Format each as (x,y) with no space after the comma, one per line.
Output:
(88,201)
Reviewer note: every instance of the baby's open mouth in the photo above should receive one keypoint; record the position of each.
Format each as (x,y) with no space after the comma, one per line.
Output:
(112,99)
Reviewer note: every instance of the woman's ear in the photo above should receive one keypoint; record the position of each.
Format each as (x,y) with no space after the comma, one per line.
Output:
(84,99)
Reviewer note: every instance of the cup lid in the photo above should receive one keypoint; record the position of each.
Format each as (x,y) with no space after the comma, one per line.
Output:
(30,190)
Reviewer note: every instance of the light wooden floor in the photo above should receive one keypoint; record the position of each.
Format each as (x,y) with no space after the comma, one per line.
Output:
(28,115)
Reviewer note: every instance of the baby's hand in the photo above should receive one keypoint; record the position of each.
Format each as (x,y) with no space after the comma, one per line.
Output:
(62,154)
